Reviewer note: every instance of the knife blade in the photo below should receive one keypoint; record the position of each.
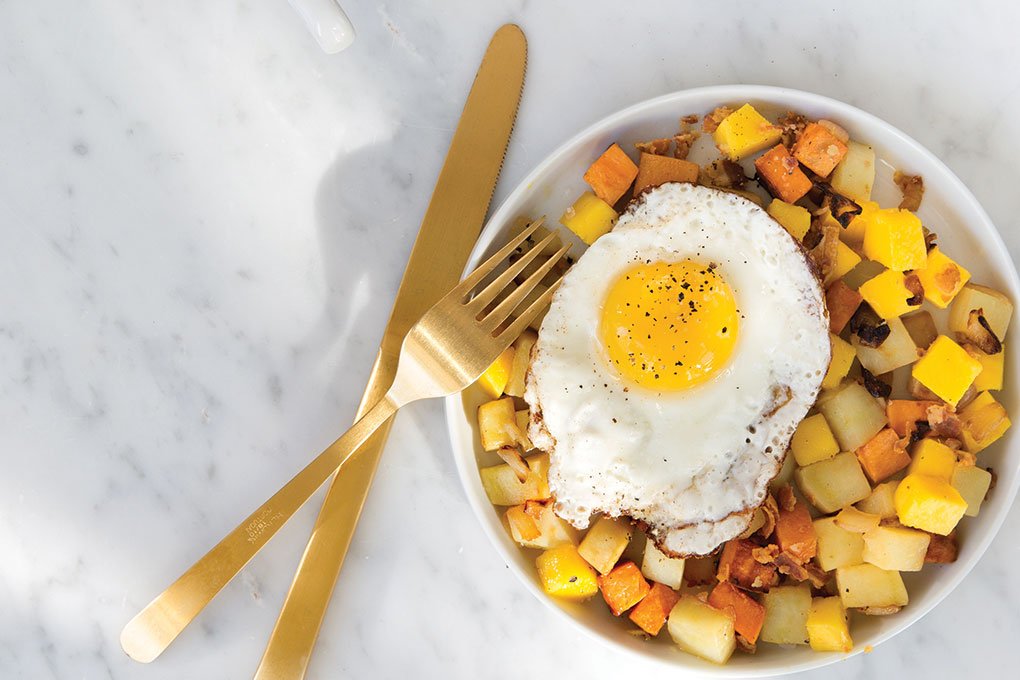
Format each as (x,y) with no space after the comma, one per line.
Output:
(448,231)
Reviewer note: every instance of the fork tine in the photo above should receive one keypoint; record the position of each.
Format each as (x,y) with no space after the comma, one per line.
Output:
(505,308)
(499,284)
(485,268)
(515,329)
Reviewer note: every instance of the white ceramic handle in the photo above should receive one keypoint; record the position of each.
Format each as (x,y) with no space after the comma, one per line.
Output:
(327,22)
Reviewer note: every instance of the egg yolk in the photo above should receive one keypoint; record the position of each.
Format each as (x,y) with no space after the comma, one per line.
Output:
(669,325)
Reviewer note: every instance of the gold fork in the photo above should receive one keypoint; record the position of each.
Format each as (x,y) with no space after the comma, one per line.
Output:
(444,352)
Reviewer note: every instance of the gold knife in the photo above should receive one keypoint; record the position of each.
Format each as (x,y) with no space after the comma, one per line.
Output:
(448,232)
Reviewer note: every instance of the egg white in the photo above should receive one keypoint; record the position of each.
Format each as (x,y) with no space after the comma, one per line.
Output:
(691,464)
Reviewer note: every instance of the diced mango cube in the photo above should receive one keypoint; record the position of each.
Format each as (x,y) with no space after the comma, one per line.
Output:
(495,378)
(933,459)
(990,377)
(973,483)
(853,235)
(563,573)
(984,420)
(895,238)
(813,441)
(942,278)
(589,217)
(888,294)
(946,369)
(827,627)
(795,219)
(843,355)
(929,504)
(837,547)
(846,260)
(744,132)
(865,585)
(623,587)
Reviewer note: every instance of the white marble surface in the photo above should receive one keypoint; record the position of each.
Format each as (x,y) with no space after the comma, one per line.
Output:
(203,219)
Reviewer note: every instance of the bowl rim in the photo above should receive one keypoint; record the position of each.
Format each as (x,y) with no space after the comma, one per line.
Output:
(467,467)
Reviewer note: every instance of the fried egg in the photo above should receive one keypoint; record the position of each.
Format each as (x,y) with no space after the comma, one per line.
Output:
(676,360)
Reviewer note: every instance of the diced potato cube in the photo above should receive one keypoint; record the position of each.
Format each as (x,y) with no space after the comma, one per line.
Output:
(865,585)
(842,302)
(744,132)
(996,308)
(504,488)
(589,217)
(887,294)
(895,238)
(921,327)
(611,174)
(827,626)
(497,424)
(843,355)
(833,484)
(521,361)
(882,455)
(853,235)
(853,415)
(896,548)
(786,613)
(795,219)
(984,420)
(552,531)
(846,260)
(942,278)
(813,441)
(523,418)
(819,150)
(656,170)
(855,174)
(564,574)
(651,612)
(933,459)
(661,568)
(748,615)
(737,564)
(898,349)
(880,502)
(946,369)
(929,504)
(781,173)
(856,521)
(972,483)
(605,542)
(495,378)
(623,587)
(523,526)
(990,377)
(700,629)
(837,547)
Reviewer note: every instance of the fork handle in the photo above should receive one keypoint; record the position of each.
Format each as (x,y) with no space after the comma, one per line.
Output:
(155,627)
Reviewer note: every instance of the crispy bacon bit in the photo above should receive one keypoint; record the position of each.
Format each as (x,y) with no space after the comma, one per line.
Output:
(980,334)
(713,119)
(745,646)
(656,147)
(512,457)
(771,510)
(684,141)
(880,611)
(787,564)
(841,207)
(874,386)
(724,174)
(766,554)
(912,187)
(868,326)
(814,234)
(837,132)
(791,124)
(944,422)
(913,283)
(687,121)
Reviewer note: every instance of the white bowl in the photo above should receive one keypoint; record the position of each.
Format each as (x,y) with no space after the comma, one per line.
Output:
(948,208)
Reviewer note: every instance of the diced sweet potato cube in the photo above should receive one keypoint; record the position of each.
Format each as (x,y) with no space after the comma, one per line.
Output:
(748,615)
(794,532)
(782,174)
(819,150)
(651,612)
(842,301)
(904,414)
(737,564)
(655,170)
(623,587)
(611,174)
(942,549)
(882,456)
